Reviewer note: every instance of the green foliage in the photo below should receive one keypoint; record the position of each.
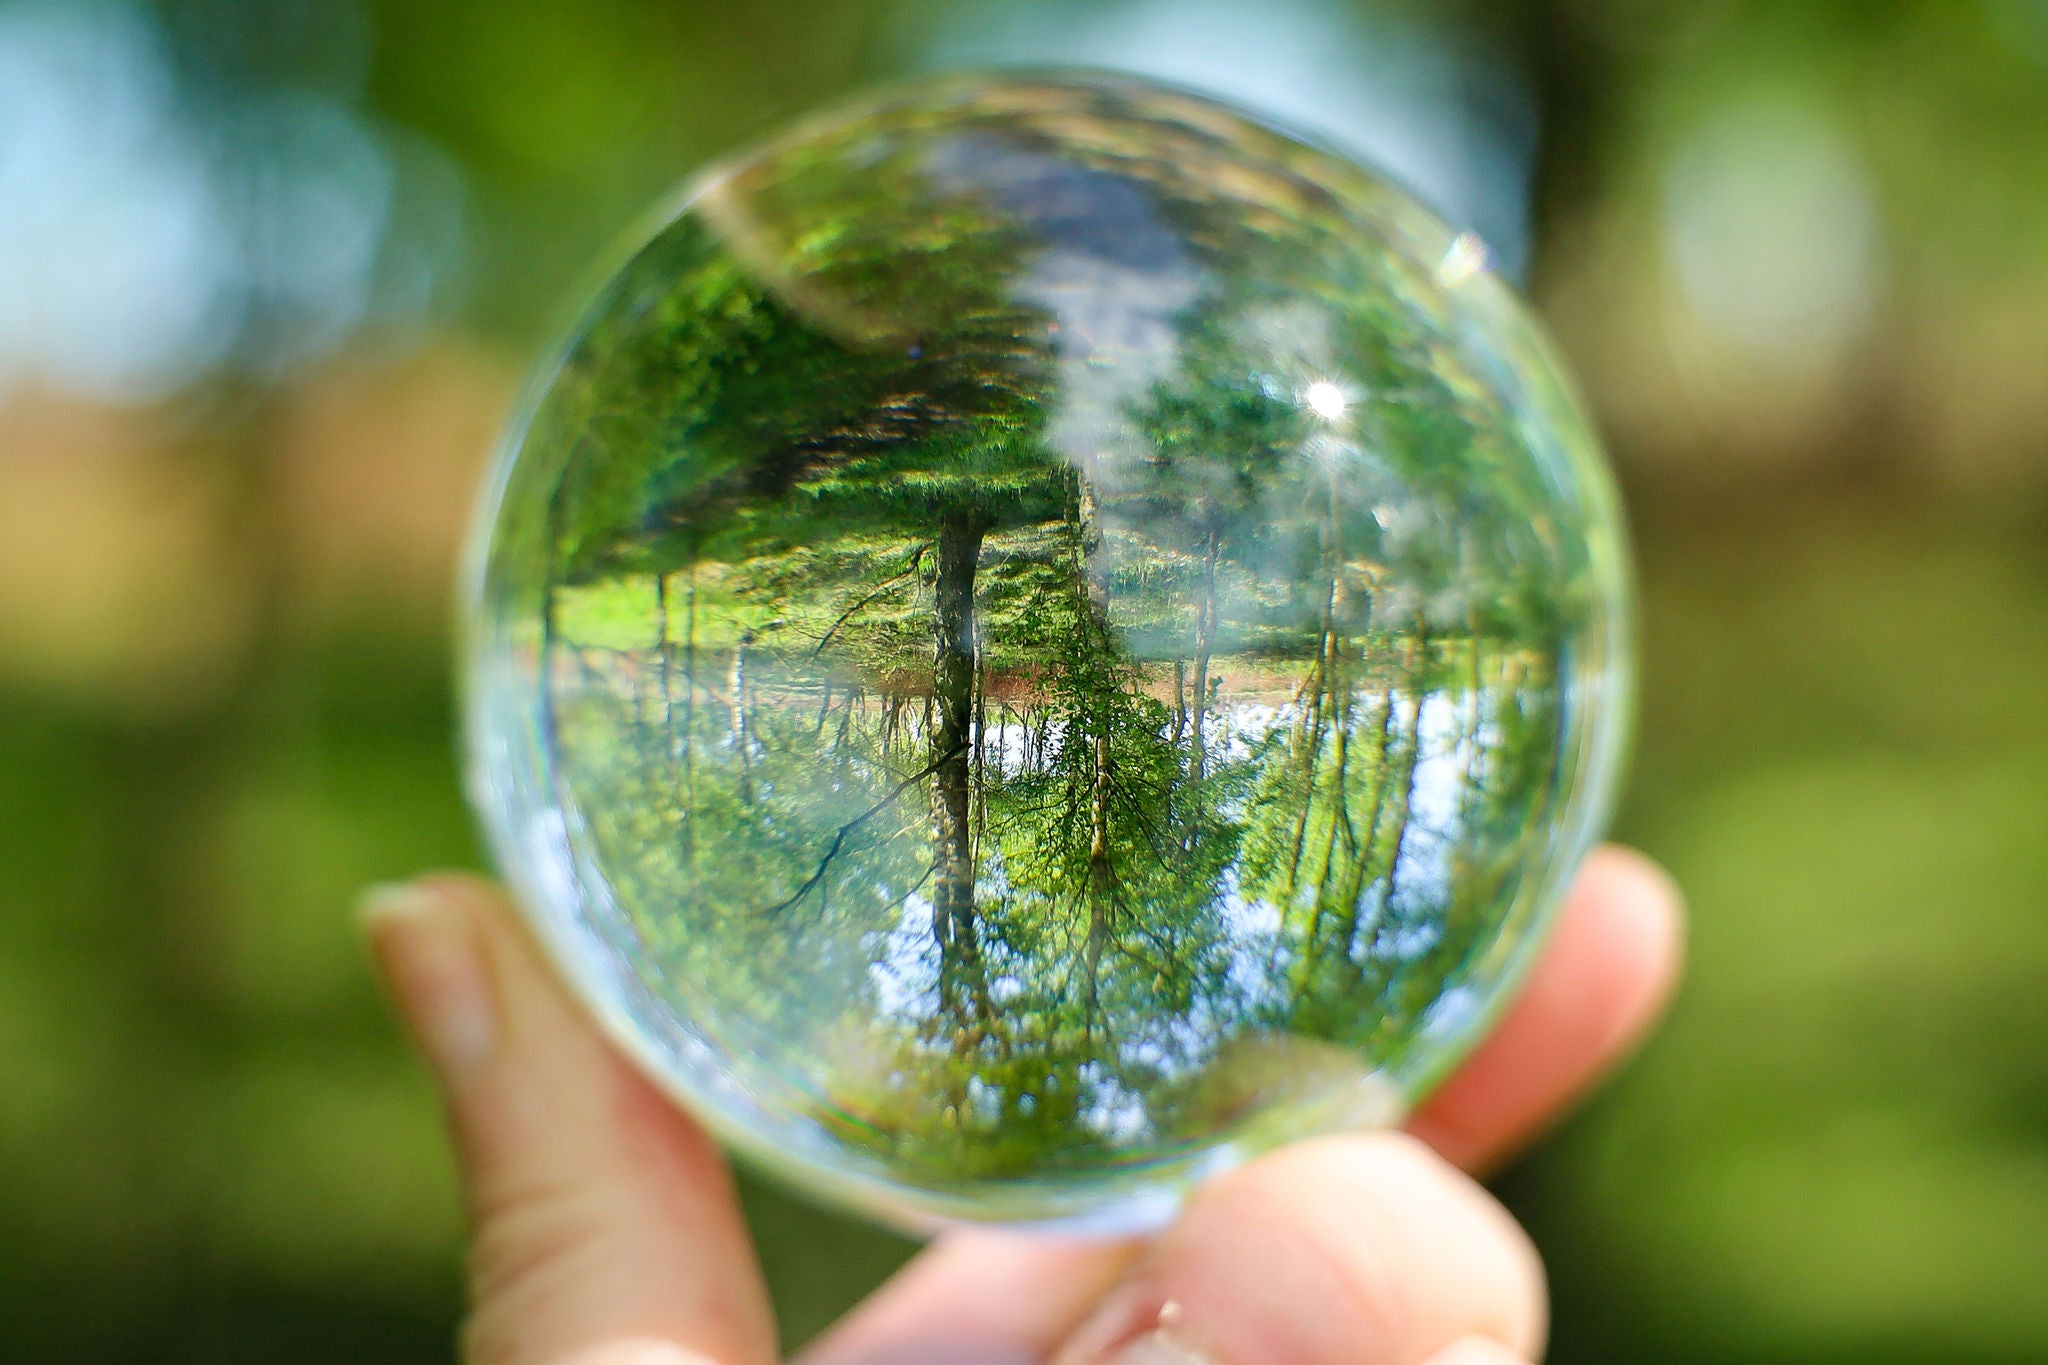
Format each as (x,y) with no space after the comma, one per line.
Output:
(981,794)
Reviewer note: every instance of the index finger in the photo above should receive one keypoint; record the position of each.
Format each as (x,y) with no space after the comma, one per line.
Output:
(1601,981)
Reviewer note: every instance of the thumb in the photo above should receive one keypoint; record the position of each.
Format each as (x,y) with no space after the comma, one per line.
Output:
(605,1228)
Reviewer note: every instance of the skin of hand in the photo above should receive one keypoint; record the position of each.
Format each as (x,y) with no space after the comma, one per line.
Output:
(605,1230)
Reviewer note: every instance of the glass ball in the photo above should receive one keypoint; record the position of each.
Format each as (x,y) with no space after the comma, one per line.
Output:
(1041,637)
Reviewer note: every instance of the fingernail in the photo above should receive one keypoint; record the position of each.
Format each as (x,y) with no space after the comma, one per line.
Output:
(434,969)
(1475,1351)
(1156,1348)
(1132,1329)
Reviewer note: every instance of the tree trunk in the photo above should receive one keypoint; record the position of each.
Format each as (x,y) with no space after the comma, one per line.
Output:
(1347,927)
(1316,701)
(1180,701)
(668,703)
(1101,883)
(963,988)
(550,610)
(1340,825)
(1093,611)
(736,686)
(980,750)
(689,739)
(1393,879)
(1205,643)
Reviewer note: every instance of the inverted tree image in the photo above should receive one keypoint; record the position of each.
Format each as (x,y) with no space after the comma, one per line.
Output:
(1055,646)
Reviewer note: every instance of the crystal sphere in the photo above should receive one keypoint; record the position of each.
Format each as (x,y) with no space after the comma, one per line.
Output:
(1040,637)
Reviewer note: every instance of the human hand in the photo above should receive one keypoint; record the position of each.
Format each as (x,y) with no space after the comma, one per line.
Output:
(606,1231)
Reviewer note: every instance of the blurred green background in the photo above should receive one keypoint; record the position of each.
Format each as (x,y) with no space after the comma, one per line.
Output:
(269,270)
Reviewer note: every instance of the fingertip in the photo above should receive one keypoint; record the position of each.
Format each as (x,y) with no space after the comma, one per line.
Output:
(437,975)
(1600,982)
(539,1014)
(1628,879)
(476,901)
(1631,911)
(1362,1248)
(1623,862)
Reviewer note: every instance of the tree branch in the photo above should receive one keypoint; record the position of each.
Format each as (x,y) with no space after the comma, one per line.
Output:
(839,839)
(847,615)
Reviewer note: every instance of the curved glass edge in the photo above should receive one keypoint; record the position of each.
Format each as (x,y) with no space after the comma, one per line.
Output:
(507,786)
